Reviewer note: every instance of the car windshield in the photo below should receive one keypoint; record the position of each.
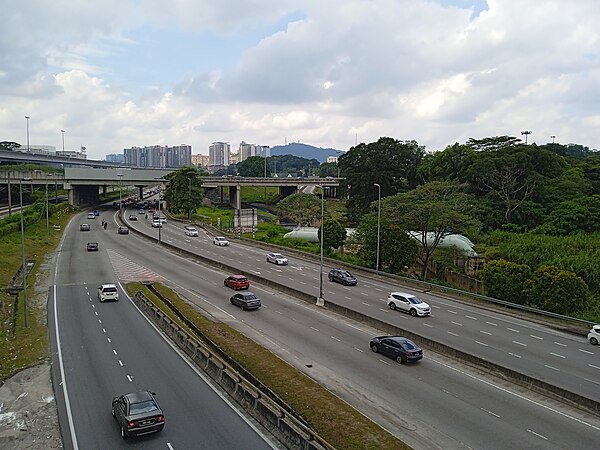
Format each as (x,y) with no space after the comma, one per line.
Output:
(249,297)
(277,255)
(143,407)
(414,300)
(346,274)
(240,278)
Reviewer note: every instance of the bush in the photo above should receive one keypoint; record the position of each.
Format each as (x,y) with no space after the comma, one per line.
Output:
(506,280)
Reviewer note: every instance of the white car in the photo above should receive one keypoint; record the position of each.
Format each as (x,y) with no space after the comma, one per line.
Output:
(156,224)
(594,335)
(91,216)
(108,292)
(220,240)
(409,303)
(277,258)
(191,231)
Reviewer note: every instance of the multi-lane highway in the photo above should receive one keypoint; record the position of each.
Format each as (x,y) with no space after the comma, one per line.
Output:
(101,350)
(437,403)
(561,359)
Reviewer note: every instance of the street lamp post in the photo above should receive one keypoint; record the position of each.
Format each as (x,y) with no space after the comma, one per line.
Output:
(159,221)
(27,122)
(120,175)
(378,223)
(553,137)
(23,262)
(525,133)
(47,216)
(321,300)
(63,141)
(189,200)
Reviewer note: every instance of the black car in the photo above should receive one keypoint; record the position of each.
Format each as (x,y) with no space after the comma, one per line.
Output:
(132,217)
(342,276)
(92,246)
(84,227)
(400,348)
(123,230)
(138,413)
(245,300)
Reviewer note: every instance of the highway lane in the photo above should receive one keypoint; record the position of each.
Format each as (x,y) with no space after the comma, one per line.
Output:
(110,348)
(561,359)
(437,403)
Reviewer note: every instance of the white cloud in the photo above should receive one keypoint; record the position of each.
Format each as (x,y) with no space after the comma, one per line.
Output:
(336,72)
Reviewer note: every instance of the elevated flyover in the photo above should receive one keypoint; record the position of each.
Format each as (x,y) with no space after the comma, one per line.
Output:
(84,184)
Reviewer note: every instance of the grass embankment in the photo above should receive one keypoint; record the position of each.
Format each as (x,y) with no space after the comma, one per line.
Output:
(333,419)
(20,346)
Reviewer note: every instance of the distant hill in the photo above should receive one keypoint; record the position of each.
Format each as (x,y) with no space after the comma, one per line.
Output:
(305,151)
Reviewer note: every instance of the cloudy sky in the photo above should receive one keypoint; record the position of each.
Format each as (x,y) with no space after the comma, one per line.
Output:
(121,73)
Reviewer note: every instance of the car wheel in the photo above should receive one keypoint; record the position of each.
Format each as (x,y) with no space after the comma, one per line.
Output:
(231,301)
(392,306)
(374,348)
(330,278)
(400,359)
(593,341)
(123,433)
(413,312)
(243,307)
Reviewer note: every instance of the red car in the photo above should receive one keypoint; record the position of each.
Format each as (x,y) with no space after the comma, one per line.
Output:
(237,282)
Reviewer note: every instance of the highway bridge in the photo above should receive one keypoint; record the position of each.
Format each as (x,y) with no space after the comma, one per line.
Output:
(84,184)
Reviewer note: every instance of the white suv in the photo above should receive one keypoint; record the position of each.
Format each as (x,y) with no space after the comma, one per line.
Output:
(108,292)
(191,231)
(220,241)
(594,335)
(409,303)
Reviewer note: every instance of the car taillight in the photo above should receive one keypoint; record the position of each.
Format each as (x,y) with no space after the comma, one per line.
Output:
(131,424)
(161,418)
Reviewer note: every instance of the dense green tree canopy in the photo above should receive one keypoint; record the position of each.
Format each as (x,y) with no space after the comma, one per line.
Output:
(334,234)
(301,209)
(557,290)
(388,162)
(431,211)
(506,280)
(184,192)
(397,250)
(254,166)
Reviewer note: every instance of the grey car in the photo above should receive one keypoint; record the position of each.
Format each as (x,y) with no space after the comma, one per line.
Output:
(245,300)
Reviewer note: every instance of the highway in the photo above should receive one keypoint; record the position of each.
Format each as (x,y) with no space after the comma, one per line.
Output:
(101,350)
(558,358)
(437,403)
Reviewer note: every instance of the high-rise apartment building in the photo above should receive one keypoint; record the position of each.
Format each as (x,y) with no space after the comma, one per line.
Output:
(200,160)
(159,156)
(246,151)
(218,156)
(263,150)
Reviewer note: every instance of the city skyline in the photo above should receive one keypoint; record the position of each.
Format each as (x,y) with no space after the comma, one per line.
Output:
(328,74)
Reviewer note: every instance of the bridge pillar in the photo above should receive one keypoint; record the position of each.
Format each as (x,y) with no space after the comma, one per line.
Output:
(235,197)
(285,191)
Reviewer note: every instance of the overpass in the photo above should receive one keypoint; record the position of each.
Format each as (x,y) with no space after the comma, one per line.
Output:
(84,184)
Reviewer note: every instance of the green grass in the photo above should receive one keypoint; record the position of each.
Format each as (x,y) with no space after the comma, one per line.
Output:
(333,419)
(27,346)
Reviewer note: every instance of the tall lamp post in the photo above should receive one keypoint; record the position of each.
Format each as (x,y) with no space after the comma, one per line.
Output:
(320,300)
(23,262)
(120,175)
(27,122)
(47,215)
(525,133)
(189,199)
(378,222)
(63,141)
(553,137)
(159,203)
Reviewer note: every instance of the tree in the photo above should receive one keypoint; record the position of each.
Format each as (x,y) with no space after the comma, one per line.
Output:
(557,290)
(447,165)
(301,209)
(184,193)
(506,280)
(491,144)
(254,166)
(335,234)
(430,212)
(389,162)
(397,250)
(9,145)
(574,216)
(327,170)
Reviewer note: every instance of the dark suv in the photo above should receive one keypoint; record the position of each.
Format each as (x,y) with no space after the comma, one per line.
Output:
(342,276)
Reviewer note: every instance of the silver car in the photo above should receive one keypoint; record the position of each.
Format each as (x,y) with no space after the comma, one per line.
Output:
(191,231)
(277,258)
(408,303)
(594,335)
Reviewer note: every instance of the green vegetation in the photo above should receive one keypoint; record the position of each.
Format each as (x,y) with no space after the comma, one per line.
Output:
(325,412)
(22,347)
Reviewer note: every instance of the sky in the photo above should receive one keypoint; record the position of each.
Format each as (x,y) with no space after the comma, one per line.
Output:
(120,73)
